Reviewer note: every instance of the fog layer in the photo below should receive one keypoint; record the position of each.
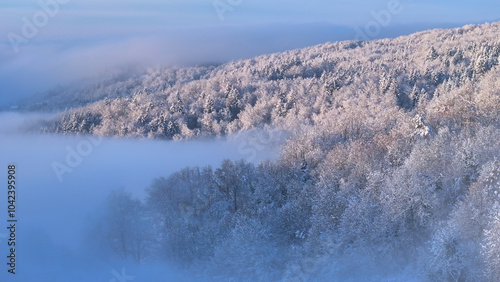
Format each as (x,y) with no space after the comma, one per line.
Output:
(73,58)
(61,180)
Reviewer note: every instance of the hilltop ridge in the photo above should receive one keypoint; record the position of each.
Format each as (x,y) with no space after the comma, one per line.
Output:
(280,89)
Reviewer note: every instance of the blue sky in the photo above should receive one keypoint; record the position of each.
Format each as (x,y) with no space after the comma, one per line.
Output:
(153,13)
(76,38)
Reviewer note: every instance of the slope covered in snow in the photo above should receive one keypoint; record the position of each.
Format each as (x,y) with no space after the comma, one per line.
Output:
(306,87)
(391,168)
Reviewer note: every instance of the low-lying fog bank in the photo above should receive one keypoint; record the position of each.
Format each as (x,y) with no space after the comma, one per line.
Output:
(61,180)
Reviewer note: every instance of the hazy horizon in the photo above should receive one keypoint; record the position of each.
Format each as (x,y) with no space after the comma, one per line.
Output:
(61,42)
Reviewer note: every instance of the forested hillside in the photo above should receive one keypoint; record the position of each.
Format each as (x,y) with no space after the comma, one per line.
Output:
(313,86)
(392,166)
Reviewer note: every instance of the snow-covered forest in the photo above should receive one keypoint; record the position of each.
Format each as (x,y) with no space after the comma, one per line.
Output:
(392,167)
